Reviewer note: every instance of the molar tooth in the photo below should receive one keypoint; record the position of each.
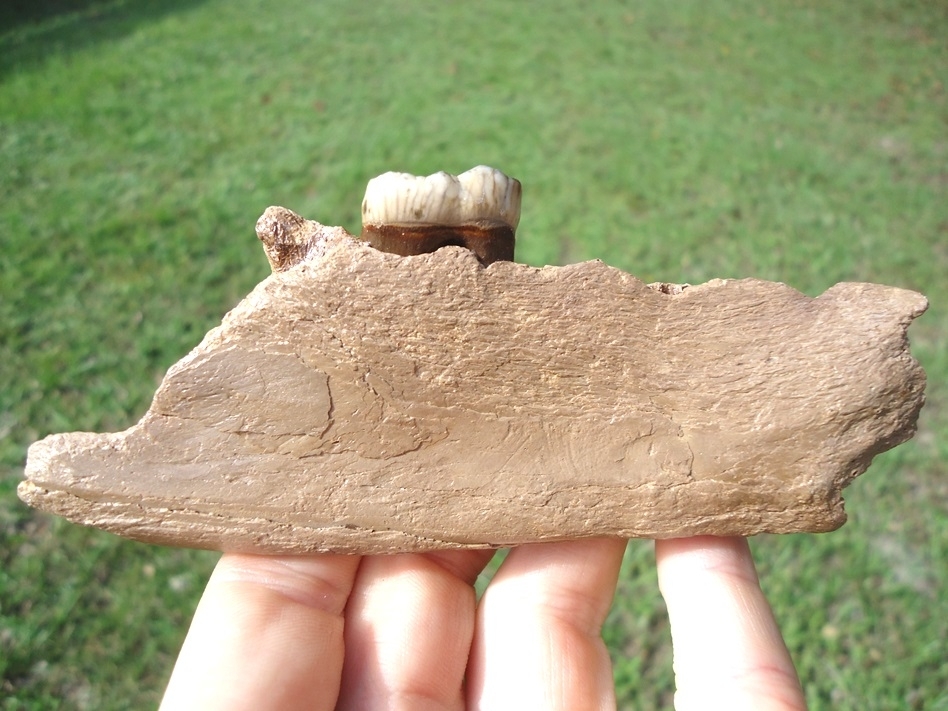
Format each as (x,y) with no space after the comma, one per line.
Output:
(407,214)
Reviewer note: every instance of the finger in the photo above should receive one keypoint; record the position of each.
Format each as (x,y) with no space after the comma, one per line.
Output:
(267,634)
(538,643)
(409,624)
(728,651)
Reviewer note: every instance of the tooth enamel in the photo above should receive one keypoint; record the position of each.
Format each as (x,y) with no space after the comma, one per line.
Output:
(480,194)
(488,194)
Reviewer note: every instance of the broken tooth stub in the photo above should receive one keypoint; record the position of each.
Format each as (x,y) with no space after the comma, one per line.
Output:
(408,214)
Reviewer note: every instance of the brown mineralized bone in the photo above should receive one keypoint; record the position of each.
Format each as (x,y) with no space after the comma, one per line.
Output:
(364,402)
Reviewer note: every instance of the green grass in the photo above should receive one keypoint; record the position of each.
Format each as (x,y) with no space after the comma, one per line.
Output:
(797,141)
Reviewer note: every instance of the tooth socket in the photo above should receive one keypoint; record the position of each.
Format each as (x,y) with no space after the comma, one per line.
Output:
(490,242)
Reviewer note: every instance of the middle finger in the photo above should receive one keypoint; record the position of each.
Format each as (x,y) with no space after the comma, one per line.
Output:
(409,624)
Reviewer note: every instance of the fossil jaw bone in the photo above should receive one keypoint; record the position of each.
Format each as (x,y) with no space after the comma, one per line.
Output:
(478,209)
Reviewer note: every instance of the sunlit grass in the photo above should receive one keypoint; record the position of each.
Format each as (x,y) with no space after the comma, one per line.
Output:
(796,141)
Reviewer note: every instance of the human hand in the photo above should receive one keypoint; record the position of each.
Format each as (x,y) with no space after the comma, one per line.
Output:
(405,631)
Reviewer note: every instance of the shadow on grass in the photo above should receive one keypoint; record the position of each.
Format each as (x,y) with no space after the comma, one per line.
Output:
(31,31)
(20,12)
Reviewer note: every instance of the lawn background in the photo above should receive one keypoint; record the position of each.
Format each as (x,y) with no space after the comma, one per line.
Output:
(798,141)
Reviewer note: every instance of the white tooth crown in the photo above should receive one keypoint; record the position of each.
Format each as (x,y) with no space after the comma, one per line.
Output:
(478,194)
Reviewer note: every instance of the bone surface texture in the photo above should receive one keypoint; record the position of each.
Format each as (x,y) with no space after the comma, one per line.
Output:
(364,402)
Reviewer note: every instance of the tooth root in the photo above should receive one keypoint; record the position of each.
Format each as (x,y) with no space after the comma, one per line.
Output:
(478,209)
(286,240)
